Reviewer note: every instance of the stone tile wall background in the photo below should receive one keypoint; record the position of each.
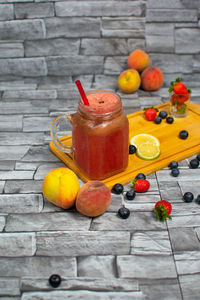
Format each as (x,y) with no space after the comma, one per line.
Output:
(44,47)
(54,41)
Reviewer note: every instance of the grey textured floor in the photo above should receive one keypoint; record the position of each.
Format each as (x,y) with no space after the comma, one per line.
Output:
(99,258)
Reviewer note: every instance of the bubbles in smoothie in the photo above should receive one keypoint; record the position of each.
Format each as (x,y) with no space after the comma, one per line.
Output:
(103,102)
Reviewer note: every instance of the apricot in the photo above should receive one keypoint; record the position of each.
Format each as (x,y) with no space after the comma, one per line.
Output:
(61,186)
(129,81)
(138,60)
(93,198)
(152,79)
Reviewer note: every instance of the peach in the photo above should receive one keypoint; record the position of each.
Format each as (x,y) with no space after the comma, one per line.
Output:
(129,81)
(152,79)
(61,186)
(138,60)
(93,198)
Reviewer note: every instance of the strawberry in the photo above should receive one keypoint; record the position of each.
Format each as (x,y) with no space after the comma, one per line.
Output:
(175,98)
(178,87)
(141,185)
(150,113)
(163,209)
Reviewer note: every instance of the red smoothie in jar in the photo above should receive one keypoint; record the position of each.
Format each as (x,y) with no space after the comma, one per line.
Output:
(100,137)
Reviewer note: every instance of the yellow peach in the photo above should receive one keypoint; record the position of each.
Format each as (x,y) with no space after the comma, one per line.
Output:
(61,186)
(129,81)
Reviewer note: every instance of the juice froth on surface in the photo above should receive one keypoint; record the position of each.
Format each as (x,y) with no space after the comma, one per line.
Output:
(102,102)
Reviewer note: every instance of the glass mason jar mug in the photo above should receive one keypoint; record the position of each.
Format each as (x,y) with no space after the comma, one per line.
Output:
(100,135)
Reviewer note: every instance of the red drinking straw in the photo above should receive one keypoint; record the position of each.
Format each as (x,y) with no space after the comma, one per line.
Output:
(82,93)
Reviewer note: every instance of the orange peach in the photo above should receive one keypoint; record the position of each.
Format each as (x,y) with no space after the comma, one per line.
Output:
(93,198)
(152,79)
(138,60)
(60,186)
(129,81)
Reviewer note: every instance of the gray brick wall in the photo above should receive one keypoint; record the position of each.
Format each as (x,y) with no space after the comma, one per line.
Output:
(62,39)
(44,46)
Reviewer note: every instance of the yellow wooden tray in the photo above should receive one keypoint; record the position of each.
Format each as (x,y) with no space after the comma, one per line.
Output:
(171,146)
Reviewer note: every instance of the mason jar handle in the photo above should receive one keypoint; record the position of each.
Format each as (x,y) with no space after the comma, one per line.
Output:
(60,120)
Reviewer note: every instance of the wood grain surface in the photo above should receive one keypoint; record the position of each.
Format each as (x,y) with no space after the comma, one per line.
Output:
(171,146)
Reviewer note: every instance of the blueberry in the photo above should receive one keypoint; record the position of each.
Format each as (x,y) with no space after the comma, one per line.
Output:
(130,195)
(194,163)
(163,114)
(55,280)
(169,120)
(157,120)
(175,172)
(140,176)
(198,199)
(173,164)
(118,188)
(188,197)
(124,212)
(132,149)
(198,157)
(183,134)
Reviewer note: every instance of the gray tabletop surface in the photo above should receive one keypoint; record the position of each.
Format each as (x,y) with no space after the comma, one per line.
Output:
(97,258)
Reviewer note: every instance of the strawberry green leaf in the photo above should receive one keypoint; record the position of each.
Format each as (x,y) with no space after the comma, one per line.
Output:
(148,108)
(133,184)
(161,213)
(170,89)
(182,109)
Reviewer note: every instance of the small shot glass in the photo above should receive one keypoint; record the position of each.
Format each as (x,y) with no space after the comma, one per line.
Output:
(179,104)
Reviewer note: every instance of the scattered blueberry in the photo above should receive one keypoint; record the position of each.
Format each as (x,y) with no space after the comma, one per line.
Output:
(183,134)
(194,163)
(198,199)
(198,157)
(124,212)
(169,120)
(130,195)
(118,188)
(157,120)
(188,197)
(175,172)
(163,114)
(140,176)
(54,280)
(132,149)
(173,164)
